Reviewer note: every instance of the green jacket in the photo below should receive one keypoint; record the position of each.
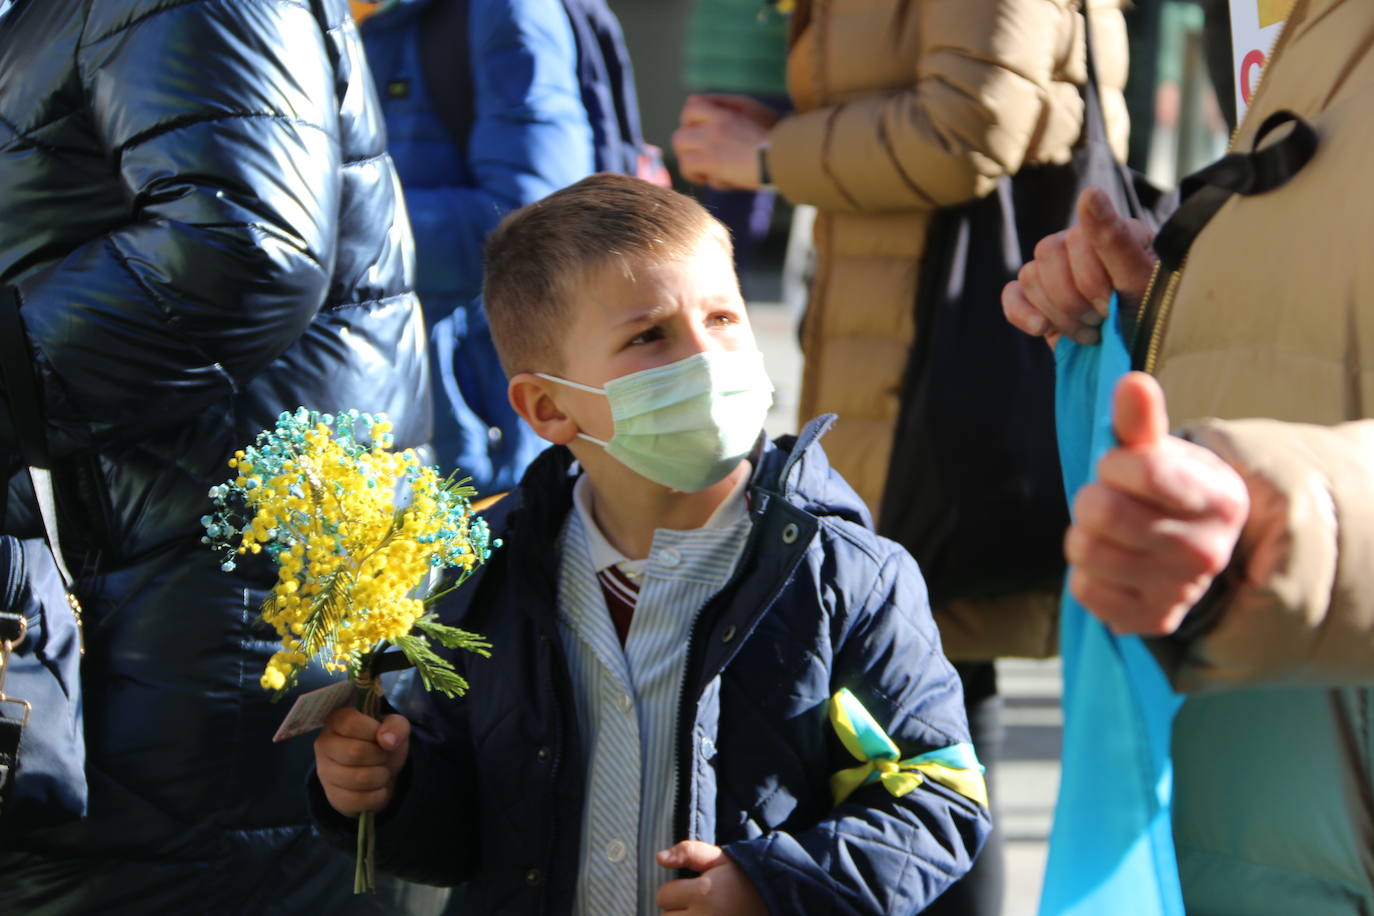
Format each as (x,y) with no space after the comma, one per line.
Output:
(737,46)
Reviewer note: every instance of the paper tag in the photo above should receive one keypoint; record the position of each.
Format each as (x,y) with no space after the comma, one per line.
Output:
(311,709)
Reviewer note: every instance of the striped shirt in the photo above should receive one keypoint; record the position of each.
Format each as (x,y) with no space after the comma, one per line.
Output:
(627,697)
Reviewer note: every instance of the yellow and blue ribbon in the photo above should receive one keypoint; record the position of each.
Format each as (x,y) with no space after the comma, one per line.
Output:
(955,767)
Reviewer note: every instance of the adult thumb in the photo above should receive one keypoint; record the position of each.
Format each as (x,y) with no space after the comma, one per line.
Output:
(1139,416)
(692,855)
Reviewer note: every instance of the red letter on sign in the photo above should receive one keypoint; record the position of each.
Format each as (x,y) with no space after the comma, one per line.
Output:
(1252,62)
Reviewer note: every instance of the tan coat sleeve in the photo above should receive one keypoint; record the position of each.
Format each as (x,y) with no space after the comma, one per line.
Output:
(1297,607)
(981,99)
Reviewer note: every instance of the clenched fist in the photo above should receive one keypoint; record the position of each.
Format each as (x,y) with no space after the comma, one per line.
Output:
(357,759)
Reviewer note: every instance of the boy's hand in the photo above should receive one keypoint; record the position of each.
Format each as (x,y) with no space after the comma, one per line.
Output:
(1159,524)
(720,887)
(1068,287)
(357,759)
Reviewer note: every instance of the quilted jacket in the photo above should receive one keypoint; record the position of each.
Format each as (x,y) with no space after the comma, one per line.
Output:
(1263,355)
(492,791)
(529,136)
(204,228)
(904,107)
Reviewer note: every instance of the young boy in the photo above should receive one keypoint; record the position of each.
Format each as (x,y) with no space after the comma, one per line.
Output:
(676,602)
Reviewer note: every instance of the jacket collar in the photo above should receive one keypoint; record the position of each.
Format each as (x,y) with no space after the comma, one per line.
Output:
(792,489)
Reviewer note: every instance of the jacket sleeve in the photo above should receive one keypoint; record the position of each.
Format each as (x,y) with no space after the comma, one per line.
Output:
(983,98)
(216,126)
(530,134)
(1293,607)
(876,853)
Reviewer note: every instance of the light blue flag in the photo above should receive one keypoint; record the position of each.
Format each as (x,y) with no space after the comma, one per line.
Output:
(1111,848)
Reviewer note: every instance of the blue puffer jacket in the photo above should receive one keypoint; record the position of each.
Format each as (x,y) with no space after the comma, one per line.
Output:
(529,137)
(198,212)
(492,793)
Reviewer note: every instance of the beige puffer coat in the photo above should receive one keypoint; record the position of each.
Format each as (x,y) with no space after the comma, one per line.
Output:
(1270,332)
(905,106)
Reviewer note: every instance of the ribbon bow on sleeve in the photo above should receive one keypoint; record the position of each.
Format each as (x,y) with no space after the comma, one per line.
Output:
(955,767)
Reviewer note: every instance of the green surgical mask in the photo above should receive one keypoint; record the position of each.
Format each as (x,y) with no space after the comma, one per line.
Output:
(688,424)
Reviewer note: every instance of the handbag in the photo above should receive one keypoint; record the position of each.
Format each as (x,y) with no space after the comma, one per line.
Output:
(974,490)
(42,741)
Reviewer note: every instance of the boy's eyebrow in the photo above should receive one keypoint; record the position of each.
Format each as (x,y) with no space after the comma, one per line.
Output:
(656,313)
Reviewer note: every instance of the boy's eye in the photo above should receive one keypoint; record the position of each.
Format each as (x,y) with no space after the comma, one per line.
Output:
(652,334)
(721,320)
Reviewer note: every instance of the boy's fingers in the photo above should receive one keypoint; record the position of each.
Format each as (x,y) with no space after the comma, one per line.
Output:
(693,855)
(355,779)
(1138,412)
(679,894)
(350,804)
(351,723)
(350,752)
(393,732)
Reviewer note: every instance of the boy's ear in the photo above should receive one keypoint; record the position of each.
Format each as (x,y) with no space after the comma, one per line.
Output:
(531,398)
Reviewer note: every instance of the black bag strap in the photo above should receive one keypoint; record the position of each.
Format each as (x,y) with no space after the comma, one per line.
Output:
(446,65)
(26,412)
(1095,117)
(1205,191)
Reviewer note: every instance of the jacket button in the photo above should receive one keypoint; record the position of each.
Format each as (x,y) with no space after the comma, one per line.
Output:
(534,877)
(790,532)
(543,753)
(729,633)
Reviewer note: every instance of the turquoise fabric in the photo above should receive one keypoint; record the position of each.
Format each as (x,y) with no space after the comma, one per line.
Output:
(1111,847)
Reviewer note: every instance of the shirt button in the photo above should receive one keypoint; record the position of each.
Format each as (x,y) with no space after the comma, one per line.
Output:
(615,851)
(624,702)
(669,557)
(533,877)
(543,753)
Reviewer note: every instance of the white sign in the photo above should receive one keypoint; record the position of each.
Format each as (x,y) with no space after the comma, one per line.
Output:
(1255,26)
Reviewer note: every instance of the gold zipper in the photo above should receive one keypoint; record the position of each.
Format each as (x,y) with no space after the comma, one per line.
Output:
(1161,318)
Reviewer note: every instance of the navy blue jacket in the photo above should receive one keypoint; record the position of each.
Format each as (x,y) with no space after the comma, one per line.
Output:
(204,228)
(493,790)
(528,136)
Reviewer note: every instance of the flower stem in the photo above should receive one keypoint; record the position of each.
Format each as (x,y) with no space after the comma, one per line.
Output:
(365,860)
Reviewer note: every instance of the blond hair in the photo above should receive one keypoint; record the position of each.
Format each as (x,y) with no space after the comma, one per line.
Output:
(538,254)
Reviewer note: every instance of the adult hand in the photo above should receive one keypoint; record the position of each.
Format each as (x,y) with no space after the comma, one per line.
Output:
(1158,526)
(718,140)
(357,759)
(720,887)
(1067,288)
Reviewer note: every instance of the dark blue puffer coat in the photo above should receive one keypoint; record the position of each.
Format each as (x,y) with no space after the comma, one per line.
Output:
(492,792)
(199,214)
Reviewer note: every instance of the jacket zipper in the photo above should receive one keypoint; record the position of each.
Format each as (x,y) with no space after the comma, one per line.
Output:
(1157,318)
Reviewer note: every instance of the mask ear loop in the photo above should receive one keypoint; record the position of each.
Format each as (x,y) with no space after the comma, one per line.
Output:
(578,385)
(582,387)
